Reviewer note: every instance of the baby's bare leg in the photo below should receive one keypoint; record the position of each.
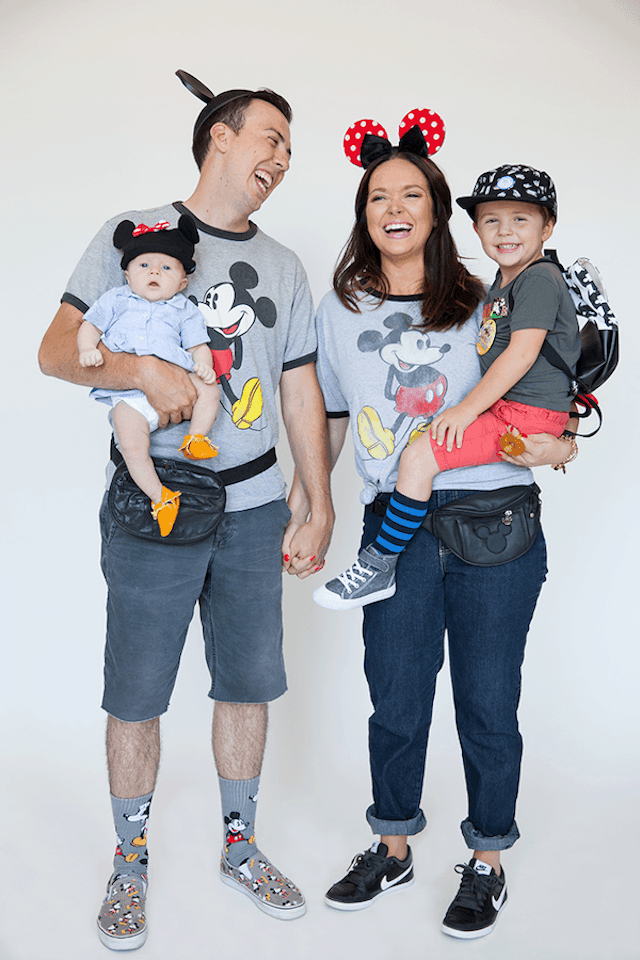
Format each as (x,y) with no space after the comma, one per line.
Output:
(417,469)
(132,432)
(205,409)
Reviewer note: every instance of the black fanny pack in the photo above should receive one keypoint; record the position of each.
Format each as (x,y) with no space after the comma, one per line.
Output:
(202,496)
(487,528)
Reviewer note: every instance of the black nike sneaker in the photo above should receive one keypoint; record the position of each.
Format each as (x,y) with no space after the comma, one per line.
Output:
(481,897)
(371,875)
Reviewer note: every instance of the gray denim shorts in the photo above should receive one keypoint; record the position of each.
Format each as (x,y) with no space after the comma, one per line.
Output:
(235,575)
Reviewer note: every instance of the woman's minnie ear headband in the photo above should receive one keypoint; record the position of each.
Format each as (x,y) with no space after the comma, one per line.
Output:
(421,132)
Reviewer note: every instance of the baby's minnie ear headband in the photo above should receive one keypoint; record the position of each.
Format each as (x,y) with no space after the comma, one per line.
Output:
(421,132)
(213,102)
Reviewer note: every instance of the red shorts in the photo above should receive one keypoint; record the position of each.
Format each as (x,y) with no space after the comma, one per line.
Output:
(481,443)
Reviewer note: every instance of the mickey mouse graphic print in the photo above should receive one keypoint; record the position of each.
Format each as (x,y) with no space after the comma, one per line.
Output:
(255,299)
(391,379)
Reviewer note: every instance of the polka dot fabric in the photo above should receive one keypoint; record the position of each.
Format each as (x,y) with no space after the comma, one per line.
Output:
(431,125)
(353,138)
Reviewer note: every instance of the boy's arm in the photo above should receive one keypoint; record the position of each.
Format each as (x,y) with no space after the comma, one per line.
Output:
(167,386)
(504,372)
(88,340)
(203,362)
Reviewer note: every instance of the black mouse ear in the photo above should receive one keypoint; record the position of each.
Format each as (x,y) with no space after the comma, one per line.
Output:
(195,86)
(122,233)
(187,228)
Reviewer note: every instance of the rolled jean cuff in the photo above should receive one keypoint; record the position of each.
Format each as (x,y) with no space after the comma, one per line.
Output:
(396,828)
(477,841)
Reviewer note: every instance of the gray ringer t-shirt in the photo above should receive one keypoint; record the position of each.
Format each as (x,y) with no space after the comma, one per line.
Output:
(392,379)
(255,298)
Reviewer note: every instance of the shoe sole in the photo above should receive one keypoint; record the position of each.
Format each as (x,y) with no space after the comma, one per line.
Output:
(363,904)
(324,598)
(473,934)
(122,943)
(280,913)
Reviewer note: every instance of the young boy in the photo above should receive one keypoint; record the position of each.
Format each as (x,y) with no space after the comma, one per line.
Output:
(149,315)
(514,212)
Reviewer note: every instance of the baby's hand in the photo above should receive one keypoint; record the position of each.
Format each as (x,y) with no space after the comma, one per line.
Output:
(452,425)
(90,358)
(206,373)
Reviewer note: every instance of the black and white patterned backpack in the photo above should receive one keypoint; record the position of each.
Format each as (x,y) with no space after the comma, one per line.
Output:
(598,334)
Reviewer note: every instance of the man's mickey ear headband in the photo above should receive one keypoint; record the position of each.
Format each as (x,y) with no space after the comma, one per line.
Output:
(213,102)
(421,132)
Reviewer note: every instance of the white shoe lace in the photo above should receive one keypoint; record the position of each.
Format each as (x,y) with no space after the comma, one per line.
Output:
(356,575)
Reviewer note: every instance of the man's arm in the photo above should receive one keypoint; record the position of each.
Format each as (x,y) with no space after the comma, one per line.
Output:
(304,418)
(167,386)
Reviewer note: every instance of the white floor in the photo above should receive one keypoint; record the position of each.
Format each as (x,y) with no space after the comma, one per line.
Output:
(572,876)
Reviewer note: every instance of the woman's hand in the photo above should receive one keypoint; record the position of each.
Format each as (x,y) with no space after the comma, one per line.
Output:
(452,425)
(541,449)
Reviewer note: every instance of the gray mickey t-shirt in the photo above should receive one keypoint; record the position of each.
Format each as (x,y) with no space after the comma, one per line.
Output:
(255,298)
(391,378)
(541,300)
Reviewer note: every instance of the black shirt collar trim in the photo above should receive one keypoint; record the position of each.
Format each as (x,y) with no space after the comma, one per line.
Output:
(214,231)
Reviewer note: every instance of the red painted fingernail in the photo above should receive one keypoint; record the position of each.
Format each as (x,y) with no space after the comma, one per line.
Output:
(316,569)
(286,556)
(312,558)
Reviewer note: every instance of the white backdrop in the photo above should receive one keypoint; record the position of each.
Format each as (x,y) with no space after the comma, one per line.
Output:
(97,123)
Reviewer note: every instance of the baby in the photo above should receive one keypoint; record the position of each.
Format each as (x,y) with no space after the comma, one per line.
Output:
(149,315)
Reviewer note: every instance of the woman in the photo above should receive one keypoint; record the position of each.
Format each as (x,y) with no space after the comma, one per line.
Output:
(397,341)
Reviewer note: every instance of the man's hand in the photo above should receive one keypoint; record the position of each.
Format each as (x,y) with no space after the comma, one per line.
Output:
(451,425)
(167,387)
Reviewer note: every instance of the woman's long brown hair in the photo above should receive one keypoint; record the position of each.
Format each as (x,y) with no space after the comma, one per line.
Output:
(450,293)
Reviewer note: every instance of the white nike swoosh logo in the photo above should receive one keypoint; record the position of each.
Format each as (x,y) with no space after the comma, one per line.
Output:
(498,903)
(385,884)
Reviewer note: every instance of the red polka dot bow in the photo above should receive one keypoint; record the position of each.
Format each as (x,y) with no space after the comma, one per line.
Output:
(143,228)
(421,132)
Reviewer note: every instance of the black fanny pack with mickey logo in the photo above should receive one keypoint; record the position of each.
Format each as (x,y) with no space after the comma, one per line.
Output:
(486,528)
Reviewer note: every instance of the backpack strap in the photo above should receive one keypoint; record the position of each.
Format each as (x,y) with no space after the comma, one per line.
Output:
(586,400)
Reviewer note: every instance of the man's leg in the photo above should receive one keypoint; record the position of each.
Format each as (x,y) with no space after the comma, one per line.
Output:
(153,588)
(241,611)
(238,737)
(133,756)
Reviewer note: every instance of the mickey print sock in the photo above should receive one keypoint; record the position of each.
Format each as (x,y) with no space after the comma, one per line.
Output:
(130,820)
(239,801)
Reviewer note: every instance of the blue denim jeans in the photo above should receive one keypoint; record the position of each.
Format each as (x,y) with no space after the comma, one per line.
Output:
(486,612)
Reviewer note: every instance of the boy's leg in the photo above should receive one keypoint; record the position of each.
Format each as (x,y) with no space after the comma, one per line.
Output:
(132,432)
(373,575)
(408,505)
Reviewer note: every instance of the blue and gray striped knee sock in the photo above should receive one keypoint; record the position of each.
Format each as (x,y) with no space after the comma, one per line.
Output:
(402,520)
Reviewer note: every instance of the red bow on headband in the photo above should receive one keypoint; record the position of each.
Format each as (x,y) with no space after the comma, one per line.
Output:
(143,228)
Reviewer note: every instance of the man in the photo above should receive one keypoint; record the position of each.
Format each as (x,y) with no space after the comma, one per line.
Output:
(255,297)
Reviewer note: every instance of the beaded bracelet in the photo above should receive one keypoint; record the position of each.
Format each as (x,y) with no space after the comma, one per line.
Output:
(572,456)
